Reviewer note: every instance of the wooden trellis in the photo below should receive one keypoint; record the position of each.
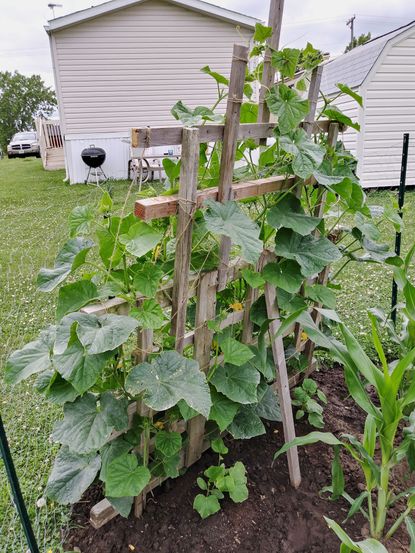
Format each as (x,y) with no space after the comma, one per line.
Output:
(204,286)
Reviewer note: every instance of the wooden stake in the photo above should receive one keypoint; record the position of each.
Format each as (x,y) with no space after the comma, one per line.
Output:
(205,311)
(276,9)
(282,383)
(324,275)
(230,138)
(187,206)
(313,94)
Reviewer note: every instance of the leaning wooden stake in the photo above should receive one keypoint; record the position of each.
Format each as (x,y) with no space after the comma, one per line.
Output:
(282,384)
(205,311)
(230,138)
(187,207)
(318,212)
(313,94)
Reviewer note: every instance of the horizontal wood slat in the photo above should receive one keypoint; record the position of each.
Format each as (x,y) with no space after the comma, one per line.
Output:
(150,137)
(147,209)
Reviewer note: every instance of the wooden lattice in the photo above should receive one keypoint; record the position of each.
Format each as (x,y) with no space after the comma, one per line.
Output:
(185,285)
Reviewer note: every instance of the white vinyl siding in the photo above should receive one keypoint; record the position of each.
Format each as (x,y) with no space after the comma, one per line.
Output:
(390,112)
(128,68)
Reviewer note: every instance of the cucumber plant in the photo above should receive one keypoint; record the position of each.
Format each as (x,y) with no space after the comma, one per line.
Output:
(86,363)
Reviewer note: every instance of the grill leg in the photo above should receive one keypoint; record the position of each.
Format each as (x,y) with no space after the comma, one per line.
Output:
(87,177)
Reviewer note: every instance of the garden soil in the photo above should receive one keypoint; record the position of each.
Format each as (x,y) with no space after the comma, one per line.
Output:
(275,519)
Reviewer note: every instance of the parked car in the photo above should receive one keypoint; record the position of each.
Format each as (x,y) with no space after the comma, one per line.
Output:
(23,144)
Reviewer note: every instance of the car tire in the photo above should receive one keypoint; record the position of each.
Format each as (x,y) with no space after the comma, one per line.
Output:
(37,155)
(10,156)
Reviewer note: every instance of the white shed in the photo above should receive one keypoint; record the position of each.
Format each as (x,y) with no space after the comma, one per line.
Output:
(382,71)
(125,63)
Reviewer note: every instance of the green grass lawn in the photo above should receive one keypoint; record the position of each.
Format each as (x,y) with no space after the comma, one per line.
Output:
(34,207)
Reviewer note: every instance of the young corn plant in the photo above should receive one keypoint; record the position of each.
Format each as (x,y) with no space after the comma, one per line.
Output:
(385,416)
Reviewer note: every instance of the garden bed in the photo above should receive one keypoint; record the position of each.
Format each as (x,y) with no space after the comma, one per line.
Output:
(275,518)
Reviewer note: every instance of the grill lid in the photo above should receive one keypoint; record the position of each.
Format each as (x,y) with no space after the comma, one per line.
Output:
(93,156)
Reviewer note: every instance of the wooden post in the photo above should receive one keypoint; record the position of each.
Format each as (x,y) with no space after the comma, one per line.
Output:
(313,94)
(276,9)
(205,311)
(282,384)
(187,205)
(318,212)
(230,138)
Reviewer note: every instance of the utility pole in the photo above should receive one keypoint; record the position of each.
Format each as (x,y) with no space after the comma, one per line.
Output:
(351,23)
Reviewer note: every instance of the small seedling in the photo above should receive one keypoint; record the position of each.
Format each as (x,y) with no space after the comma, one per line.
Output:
(218,481)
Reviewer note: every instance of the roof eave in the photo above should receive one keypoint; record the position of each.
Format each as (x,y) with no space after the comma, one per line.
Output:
(115,5)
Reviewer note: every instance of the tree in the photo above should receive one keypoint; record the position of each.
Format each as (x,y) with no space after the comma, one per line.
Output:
(21,100)
(362,39)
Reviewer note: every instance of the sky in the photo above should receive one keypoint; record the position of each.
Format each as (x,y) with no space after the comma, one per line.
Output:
(24,44)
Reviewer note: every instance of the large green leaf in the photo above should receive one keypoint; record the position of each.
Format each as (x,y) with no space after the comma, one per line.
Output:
(285,274)
(223,410)
(140,239)
(116,410)
(289,213)
(227,219)
(321,294)
(237,383)
(168,443)
(105,333)
(169,378)
(55,388)
(235,352)
(311,253)
(253,278)
(71,256)
(288,106)
(81,219)
(125,477)
(33,358)
(149,314)
(249,112)
(85,427)
(110,451)
(74,296)
(269,408)
(71,475)
(334,113)
(79,368)
(286,61)
(307,155)
(146,278)
(246,424)
(262,32)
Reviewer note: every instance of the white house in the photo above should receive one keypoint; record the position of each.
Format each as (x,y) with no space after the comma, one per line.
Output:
(125,63)
(382,71)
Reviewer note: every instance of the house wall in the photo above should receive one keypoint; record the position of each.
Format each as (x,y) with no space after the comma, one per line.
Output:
(128,68)
(389,94)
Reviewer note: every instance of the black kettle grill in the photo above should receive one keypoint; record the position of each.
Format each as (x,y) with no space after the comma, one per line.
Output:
(94,157)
